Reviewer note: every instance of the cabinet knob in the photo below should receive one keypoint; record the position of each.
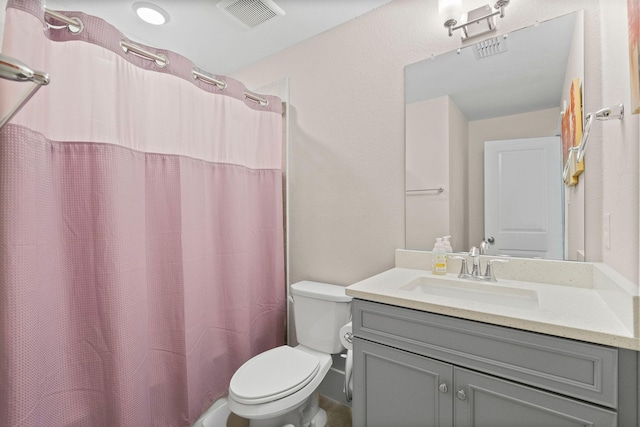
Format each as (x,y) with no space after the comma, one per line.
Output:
(461,395)
(443,388)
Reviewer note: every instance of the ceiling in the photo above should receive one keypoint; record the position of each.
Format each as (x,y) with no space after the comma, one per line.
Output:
(528,76)
(213,40)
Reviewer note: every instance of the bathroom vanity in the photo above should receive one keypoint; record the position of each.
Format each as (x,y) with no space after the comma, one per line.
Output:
(428,358)
(416,368)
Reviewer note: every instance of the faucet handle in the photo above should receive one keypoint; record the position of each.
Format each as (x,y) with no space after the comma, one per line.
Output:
(489,273)
(464,270)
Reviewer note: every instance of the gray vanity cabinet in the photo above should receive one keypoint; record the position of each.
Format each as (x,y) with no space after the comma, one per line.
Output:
(413,368)
(401,388)
(482,400)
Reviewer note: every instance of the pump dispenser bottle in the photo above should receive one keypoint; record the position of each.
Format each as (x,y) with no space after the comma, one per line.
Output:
(447,244)
(439,257)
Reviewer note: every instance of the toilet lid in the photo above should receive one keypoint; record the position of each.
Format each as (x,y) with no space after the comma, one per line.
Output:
(274,374)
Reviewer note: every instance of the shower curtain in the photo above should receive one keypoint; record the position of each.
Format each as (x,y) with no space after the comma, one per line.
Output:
(141,232)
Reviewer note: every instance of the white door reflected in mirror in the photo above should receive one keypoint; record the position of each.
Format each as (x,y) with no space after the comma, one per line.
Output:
(523,199)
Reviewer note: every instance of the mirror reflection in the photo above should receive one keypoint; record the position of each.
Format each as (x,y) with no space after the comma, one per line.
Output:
(484,153)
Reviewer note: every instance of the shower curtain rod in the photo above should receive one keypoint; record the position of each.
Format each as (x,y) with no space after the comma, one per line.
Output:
(14,70)
(257,99)
(160,60)
(75,26)
(208,79)
(199,75)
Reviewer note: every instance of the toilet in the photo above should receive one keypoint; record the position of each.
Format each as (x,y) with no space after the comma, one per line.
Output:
(280,386)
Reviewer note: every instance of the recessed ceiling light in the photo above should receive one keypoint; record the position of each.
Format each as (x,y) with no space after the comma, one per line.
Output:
(151,13)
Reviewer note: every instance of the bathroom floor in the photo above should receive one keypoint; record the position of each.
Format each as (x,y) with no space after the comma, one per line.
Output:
(338,415)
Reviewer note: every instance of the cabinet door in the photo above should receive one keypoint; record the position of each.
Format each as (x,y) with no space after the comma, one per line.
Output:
(484,401)
(396,388)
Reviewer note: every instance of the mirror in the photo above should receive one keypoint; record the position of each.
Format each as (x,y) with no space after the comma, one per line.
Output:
(512,89)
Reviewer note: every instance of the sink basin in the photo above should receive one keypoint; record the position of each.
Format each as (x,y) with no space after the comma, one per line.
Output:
(474,291)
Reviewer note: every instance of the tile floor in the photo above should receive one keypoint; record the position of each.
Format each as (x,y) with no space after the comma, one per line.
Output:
(338,415)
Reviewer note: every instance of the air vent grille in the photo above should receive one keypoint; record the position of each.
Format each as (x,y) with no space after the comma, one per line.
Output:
(251,13)
(490,47)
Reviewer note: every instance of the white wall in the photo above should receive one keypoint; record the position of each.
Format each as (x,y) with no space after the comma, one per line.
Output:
(458,179)
(617,152)
(436,141)
(347,137)
(427,167)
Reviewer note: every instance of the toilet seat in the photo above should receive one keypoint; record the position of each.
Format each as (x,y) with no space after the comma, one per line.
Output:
(288,403)
(272,375)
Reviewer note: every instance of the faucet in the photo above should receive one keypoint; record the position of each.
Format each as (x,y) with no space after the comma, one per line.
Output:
(489,275)
(474,254)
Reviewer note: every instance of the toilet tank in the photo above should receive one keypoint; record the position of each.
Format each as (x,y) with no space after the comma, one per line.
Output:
(319,311)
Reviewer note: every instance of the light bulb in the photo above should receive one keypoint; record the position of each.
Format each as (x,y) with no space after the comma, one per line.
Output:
(151,13)
(450,9)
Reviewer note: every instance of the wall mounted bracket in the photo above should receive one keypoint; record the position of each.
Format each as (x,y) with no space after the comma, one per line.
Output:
(576,154)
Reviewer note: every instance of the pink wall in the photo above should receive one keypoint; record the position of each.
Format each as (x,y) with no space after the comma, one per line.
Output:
(347,133)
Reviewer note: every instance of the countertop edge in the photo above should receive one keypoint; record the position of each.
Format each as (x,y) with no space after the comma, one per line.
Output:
(611,340)
(366,290)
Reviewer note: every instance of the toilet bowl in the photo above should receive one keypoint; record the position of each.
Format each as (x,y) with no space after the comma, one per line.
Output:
(288,378)
(279,387)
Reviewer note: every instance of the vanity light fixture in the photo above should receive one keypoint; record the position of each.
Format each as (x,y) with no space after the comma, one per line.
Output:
(150,13)
(478,21)
(450,11)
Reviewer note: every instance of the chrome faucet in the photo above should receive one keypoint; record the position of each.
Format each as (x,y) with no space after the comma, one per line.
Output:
(464,271)
(484,245)
(489,274)
(474,254)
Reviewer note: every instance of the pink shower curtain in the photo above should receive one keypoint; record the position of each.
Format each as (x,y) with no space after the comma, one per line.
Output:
(141,233)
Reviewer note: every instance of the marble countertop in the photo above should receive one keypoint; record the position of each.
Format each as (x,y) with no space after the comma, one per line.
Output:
(576,312)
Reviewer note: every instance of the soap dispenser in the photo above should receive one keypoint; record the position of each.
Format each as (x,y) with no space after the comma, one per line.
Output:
(439,257)
(447,244)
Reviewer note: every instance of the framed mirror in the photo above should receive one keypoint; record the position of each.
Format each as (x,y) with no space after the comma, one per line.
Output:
(484,153)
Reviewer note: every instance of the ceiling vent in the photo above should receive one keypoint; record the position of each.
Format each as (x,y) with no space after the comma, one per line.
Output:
(490,47)
(251,13)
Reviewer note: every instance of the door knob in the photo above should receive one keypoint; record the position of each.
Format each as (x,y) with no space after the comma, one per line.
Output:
(461,395)
(443,388)
(491,240)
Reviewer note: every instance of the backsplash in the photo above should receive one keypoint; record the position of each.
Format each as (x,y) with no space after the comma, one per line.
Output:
(565,273)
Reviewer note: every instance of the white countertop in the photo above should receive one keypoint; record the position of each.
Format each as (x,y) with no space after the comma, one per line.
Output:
(566,311)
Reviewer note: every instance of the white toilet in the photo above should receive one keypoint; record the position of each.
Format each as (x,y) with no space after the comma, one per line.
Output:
(279,387)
